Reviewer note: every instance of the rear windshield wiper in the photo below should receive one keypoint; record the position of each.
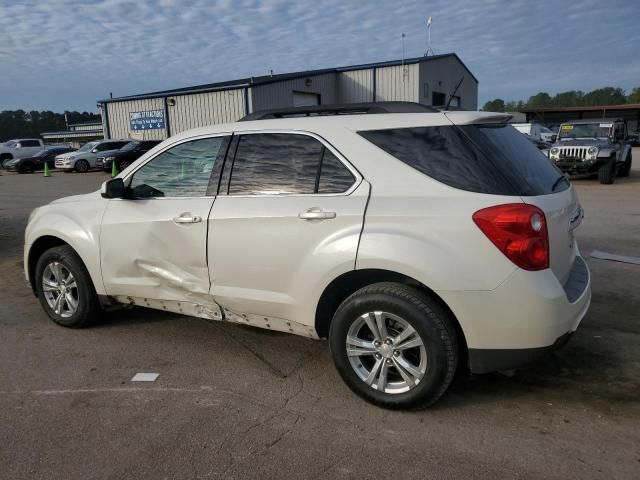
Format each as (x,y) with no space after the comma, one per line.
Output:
(558,180)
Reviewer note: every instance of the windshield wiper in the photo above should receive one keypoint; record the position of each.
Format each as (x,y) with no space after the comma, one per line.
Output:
(558,180)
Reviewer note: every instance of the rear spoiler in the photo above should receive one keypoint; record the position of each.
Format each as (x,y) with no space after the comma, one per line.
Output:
(468,118)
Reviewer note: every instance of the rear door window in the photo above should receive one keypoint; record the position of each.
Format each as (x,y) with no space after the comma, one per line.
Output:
(275,163)
(493,159)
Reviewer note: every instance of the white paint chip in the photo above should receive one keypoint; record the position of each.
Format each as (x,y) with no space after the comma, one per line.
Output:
(145,377)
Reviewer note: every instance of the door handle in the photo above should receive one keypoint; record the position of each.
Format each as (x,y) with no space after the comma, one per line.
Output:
(316,213)
(187,218)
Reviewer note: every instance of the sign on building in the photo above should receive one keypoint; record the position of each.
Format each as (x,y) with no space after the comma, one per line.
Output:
(146,120)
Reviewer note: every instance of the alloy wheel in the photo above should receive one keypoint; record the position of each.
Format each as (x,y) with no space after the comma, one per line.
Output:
(60,289)
(386,352)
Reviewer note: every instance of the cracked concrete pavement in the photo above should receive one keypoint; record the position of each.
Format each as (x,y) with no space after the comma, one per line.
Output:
(237,402)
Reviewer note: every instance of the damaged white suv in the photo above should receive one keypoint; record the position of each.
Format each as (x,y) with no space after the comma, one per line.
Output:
(416,242)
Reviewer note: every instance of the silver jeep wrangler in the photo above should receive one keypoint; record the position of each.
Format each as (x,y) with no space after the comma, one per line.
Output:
(593,146)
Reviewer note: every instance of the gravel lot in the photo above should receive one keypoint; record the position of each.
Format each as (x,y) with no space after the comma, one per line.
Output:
(234,402)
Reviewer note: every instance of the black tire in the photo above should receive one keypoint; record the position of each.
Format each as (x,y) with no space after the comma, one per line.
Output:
(431,322)
(82,166)
(88,307)
(625,169)
(607,172)
(27,167)
(4,159)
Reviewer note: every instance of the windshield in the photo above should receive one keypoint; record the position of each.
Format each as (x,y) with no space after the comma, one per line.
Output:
(87,146)
(10,143)
(129,146)
(585,130)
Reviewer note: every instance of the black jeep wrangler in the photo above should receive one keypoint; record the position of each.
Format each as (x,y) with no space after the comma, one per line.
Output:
(593,146)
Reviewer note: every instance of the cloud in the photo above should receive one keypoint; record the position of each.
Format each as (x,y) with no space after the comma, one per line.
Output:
(65,54)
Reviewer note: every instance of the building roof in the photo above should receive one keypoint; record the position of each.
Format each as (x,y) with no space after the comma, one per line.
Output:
(73,133)
(591,108)
(266,79)
(592,120)
(84,124)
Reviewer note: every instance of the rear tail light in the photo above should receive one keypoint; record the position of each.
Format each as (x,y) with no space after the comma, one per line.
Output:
(519,231)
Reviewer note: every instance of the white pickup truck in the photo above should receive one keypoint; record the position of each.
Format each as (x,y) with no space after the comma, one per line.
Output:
(19,148)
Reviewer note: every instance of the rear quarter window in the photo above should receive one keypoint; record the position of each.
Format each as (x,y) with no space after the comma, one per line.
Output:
(492,159)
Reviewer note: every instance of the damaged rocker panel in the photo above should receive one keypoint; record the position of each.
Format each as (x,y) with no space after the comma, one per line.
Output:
(213,311)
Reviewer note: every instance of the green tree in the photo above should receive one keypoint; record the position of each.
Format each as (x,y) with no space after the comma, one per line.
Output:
(540,100)
(496,105)
(605,96)
(634,96)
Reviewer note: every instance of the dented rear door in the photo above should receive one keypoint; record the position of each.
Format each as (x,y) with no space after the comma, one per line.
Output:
(153,245)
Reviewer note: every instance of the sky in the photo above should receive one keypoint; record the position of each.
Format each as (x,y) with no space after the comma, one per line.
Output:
(65,55)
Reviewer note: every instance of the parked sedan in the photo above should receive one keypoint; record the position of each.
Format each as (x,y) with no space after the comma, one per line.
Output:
(126,155)
(37,161)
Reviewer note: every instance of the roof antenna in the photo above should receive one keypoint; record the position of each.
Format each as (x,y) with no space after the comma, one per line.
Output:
(429,49)
(404,69)
(455,90)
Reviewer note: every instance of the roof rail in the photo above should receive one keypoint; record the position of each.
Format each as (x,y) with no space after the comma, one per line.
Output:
(340,109)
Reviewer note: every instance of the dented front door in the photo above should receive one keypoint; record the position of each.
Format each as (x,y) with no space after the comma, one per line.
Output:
(153,245)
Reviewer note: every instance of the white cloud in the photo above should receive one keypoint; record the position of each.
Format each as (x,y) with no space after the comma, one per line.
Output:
(68,53)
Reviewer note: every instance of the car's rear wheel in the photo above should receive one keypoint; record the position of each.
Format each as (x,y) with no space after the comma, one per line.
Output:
(27,167)
(394,346)
(625,169)
(64,288)
(607,171)
(82,166)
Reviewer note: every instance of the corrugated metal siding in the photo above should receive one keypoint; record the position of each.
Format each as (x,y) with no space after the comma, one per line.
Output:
(119,118)
(355,86)
(280,94)
(443,75)
(199,110)
(87,126)
(390,85)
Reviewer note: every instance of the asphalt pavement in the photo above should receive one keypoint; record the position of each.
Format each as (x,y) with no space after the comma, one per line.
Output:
(235,402)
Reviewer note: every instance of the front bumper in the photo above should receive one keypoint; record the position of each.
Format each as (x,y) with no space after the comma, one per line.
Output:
(578,166)
(528,315)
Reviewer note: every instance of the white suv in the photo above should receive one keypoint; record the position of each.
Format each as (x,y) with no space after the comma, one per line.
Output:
(85,158)
(416,242)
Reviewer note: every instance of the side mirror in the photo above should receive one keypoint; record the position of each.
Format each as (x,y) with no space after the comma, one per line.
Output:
(113,188)
(95,150)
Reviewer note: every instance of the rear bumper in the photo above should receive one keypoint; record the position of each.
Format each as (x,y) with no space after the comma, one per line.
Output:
(528,315)
(491,360)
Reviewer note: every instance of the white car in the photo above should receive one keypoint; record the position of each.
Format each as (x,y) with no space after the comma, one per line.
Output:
(85,158)
(535,130)
(415,242)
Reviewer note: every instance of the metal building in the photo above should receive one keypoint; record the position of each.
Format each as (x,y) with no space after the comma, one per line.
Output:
(77,134)
(158,115)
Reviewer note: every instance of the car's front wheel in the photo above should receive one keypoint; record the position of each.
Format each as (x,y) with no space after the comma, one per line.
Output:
(82,166)
(394,346)
(64,288)
(607,171)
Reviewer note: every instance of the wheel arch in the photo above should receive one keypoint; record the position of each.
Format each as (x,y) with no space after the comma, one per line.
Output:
(349,282)
(41,245)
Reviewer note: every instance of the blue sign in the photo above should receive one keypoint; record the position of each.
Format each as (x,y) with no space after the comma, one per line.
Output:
(146,120)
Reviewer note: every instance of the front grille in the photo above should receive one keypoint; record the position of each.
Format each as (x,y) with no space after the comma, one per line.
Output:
(573,153)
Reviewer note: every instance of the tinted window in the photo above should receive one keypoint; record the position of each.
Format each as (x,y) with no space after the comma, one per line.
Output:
(182,171)
(110,146)
(334,176)
(275,163)
(30,143)
(493,159)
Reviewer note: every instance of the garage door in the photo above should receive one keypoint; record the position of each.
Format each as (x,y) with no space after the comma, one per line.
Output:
(304,99)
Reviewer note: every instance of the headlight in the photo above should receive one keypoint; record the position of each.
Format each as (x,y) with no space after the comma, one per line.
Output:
(555,151)
(109,159)
(592,150)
